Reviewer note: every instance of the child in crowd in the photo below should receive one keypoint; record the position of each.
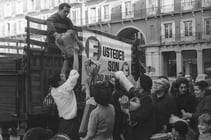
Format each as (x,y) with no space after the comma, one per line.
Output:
(101,120)
(204,126)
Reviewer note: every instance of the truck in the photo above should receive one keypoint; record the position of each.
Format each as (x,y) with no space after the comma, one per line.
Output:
(25,71)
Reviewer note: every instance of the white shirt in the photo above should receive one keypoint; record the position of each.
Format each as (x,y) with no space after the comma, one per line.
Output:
(64,97)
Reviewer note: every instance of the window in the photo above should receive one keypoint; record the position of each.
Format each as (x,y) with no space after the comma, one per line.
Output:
(56,3)
(188,28)
(1,28)
(207,26)
(187,4)
(8,9)
(76,16)
(51,3)
(46,4)
(31,4)
(151,31)
(152,6)
(167,6)
(93,15)
(18,27)
(73,16)
(206,3)
(19,6)
(168,31)
(14,29)
(105,13)
(127,10)
(21,24)
(8,29)
(2,13)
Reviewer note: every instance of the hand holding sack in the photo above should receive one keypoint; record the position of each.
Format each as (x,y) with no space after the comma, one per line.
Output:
(68,42)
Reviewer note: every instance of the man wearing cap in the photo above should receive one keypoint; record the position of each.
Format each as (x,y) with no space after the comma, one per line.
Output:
(164,104)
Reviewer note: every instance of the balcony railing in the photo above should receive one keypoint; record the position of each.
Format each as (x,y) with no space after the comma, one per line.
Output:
(196,36)
(177,8)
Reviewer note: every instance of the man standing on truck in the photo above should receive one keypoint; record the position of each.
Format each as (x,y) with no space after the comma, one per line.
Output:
(59,22)
(61,31)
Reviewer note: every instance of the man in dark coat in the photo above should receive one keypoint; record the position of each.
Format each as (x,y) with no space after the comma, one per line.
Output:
(59,22)
(164,104)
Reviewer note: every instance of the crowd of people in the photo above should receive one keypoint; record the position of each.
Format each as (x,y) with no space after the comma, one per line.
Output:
(123,111)
(151,109)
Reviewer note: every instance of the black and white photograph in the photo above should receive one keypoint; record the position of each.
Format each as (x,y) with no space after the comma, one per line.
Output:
(105,69)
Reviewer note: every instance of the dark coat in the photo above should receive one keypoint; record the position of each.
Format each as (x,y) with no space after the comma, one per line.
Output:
(164,107)
(144,116)
(60,25)
(187,102)
(203,106)
(120,117)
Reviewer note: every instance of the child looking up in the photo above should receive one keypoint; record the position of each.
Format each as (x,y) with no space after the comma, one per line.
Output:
(204,126)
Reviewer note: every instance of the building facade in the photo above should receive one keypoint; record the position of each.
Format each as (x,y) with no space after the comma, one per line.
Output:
(174,34)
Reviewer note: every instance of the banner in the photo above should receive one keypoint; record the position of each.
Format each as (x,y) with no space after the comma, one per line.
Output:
(112,55)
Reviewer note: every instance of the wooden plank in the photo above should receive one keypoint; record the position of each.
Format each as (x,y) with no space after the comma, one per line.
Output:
(15,55)
(7,95)
(7,60)
(7,108)
(12,40)
(36,31)
(7,89)
(7,100)
(7,67)
(10,73)
(11,47)
(7,82)
(35,20)
(38,43)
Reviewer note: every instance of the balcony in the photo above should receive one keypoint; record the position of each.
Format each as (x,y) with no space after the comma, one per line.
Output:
(181,38)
